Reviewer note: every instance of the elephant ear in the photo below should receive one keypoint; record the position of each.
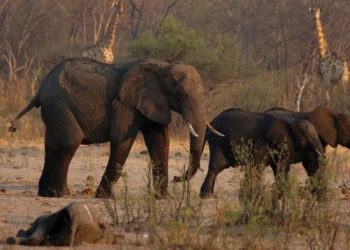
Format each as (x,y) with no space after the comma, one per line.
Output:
(278,133)
(141,89)
(323,120)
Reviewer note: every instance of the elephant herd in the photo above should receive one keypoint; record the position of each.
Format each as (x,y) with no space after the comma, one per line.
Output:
(84,101)
(306,134)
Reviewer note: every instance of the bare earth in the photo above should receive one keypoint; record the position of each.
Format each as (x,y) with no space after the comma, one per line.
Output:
(21,165)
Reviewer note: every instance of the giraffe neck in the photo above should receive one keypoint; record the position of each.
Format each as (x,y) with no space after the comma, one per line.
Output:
(322,43)
(109,37)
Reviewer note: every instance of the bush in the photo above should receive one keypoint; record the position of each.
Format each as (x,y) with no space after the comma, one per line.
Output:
(172,41)
(287,208)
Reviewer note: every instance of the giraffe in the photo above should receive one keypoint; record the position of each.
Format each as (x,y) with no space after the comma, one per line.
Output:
(329,66)
(102,49)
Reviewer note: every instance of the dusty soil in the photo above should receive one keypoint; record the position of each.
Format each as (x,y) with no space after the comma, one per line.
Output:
(21,164)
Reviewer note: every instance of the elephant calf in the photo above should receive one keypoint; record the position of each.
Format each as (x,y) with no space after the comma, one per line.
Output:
(266,132)
(74,224)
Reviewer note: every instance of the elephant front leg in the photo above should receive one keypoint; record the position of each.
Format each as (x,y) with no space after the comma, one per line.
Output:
(157,141)
(280,171)
(311,162)
(217,163)
(117,158)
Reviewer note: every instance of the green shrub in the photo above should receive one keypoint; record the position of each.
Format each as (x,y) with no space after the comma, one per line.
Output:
(172,41)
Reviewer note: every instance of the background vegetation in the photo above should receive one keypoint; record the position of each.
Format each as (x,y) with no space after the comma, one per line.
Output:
(250,53)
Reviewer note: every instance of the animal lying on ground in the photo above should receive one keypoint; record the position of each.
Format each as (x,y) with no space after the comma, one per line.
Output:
(84,101)
(332,127)
(265,132)
(74,224)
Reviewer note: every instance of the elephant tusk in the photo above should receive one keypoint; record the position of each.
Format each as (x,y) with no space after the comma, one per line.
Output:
(192,131)
(88,212)
(214,130)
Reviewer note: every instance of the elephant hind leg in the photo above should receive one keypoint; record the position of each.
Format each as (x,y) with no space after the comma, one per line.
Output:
(53,181)
(277,172)
(62,138)
(311,163)
(156,137)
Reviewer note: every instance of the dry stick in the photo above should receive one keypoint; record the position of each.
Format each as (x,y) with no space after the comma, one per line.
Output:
(3,5)
(182,195)
(301,85)
(334,238)
(3,12)
(135,27)
(98,21)
(167,12)
(83,20)
(188,187)
(11,62)
(28,27)
(72,38)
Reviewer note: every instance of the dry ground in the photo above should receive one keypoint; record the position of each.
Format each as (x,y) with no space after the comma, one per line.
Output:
(21,164)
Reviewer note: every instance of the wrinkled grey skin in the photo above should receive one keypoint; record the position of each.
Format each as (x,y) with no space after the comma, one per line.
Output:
(265,132)
(332,127)
(84,101)
(74,224)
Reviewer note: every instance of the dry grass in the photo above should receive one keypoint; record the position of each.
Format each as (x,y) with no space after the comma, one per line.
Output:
(299,221)
(183,221)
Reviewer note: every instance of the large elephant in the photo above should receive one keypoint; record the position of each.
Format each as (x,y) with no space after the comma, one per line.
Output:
(84,101)
(333,128)
(265,133)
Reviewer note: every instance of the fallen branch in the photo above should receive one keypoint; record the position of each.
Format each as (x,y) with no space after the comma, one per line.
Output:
(301,85)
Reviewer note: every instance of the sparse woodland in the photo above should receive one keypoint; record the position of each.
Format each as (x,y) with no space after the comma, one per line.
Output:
(251,54)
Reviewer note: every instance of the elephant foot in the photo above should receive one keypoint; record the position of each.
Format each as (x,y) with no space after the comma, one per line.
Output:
(54,192)
(105,193)
(162,196)
(11,241)
(105,189)
(207,195)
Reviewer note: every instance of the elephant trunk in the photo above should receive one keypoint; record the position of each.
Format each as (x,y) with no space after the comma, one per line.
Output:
(33,240)
(196,122)
(317,146)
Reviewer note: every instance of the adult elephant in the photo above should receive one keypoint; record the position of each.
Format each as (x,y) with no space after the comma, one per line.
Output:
(333,128)
(84,101)
(265,132)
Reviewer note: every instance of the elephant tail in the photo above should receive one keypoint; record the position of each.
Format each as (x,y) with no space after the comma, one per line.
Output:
(35,102)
